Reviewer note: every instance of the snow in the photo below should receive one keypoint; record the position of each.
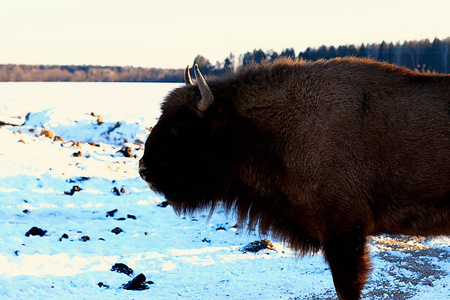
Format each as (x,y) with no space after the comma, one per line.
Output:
(185,257)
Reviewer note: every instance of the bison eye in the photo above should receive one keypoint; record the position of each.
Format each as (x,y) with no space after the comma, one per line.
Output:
(179,131)
(182,131)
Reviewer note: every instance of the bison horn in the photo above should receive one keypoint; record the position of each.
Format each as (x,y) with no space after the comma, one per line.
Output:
(207,96)
(187,77)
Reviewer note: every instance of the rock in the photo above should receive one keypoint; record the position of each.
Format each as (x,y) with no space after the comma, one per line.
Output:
(258,245)
(137,284)
(36,231)
(117,230)
(74,189)
(77,154)
(115,191)
(85,238)
(101,284)
(64,236)
(163,204)
(111,213)
(122,268)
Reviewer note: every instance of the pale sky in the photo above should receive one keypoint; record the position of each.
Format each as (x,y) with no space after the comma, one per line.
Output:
(170,33)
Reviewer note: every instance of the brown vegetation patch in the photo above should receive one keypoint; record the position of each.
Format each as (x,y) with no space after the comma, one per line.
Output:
(127,152)
(258,245)
(48,133)
(76,144)
(399,243)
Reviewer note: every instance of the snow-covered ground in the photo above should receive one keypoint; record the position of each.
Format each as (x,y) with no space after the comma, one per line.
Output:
(95,211)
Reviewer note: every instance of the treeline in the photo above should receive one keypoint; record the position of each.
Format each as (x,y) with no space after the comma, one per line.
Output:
(423,55)
(88,73)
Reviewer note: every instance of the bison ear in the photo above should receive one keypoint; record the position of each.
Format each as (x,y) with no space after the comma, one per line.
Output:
(219,117)
(207,96)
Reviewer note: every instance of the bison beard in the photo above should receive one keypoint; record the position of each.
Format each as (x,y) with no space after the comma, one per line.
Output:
(319,155)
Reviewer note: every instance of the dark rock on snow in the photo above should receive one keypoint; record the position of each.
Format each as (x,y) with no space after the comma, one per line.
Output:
(77,154)
(111,213)
(258,245)
(115,191)
(122,268)
(127,152)
(74,189)
(163,204)
(101,284)
(138,283)
(117,230)
(64,236)
(36,231)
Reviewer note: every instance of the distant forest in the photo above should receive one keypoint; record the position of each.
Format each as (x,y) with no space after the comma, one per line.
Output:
(423,55)
(87,73)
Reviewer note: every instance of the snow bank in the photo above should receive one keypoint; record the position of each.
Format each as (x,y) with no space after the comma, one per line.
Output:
(87,128)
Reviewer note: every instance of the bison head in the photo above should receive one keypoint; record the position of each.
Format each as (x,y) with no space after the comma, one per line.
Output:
(188,152)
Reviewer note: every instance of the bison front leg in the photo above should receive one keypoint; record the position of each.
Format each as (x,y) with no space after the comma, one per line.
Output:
(346,253)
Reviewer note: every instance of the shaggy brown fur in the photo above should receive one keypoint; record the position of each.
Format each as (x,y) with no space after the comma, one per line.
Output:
(318,154)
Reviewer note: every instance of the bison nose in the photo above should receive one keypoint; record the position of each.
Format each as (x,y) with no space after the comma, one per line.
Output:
(142,169)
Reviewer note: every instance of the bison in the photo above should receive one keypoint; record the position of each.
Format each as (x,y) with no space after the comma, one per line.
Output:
(320,155)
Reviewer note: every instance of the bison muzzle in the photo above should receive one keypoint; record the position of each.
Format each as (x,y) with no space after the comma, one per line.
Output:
(320,155)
